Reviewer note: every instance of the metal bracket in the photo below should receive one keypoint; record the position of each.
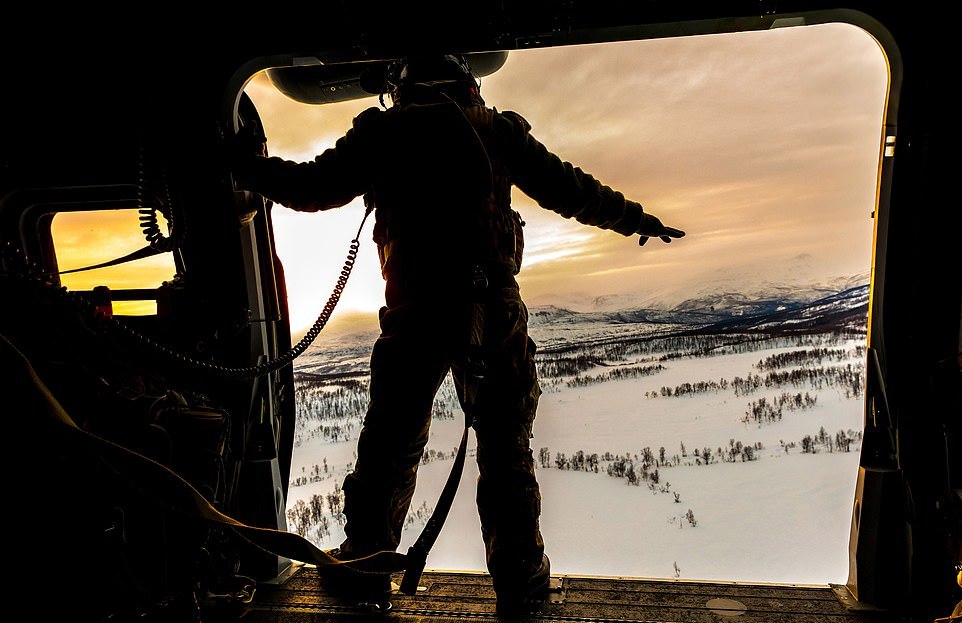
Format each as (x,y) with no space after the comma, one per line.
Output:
(889,151)
(556,592)
(848,600)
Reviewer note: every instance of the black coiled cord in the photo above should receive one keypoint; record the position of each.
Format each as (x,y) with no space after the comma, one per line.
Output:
(148,214)
(33,272)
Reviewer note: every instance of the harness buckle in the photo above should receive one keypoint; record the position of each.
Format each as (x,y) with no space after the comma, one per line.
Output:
(479,280)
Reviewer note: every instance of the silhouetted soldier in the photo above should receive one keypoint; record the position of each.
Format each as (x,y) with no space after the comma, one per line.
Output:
(439,165)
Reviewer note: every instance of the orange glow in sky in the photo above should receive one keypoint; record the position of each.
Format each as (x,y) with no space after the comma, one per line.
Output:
(763,146)
(88,238)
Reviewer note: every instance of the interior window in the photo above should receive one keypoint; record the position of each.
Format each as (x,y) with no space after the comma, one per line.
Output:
(88,238)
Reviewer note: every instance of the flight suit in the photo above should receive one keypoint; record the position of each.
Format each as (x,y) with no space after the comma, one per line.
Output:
(440,174)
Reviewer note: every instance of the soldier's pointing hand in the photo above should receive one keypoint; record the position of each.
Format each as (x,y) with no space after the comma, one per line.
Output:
(651,226)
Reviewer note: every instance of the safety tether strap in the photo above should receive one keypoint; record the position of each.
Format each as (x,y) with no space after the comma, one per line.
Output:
(474,373)
(418,553)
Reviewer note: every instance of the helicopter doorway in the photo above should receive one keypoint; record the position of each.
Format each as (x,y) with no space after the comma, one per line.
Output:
(703,402)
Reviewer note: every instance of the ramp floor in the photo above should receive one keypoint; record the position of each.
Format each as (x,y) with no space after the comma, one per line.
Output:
(451,596)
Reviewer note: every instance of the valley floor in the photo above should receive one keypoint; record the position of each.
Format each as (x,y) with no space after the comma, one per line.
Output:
(704,507)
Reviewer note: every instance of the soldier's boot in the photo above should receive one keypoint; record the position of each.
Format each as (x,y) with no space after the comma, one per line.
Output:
(371,524)
(370,591)
(523,589)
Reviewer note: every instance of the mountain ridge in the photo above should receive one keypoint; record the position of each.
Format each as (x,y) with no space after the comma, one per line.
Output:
(777,309)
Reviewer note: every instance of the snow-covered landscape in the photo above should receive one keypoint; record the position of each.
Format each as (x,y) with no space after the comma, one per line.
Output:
(716,438)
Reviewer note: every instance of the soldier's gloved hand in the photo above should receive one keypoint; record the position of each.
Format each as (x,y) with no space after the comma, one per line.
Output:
(241,151)
(242,148)
(651,226)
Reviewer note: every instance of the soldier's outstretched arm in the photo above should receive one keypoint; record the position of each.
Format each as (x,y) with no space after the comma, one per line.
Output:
(331,180)
(564,188)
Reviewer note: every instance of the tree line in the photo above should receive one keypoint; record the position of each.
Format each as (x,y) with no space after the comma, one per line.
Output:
(823,441)
(317,473)
(314,517)
(762,411)
(320,472)
(714,345)
(803,357)
(643,467)
(572,361)
(309,519)
(688,389)
(615,374)
(334,409)
(850,378)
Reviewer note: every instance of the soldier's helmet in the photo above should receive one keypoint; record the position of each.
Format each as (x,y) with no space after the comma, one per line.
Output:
(448,72)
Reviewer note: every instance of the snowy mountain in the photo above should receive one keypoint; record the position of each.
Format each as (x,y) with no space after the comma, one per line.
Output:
(775,310)
(842,302)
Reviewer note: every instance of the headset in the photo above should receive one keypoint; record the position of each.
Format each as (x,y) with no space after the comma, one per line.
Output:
(447,69)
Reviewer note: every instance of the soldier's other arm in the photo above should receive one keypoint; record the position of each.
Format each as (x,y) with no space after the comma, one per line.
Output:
(564,188)
(332,179)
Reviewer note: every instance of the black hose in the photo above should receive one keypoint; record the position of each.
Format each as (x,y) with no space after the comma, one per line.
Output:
(149,223)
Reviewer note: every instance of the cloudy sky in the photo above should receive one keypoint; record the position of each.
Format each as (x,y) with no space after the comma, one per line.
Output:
(762,146)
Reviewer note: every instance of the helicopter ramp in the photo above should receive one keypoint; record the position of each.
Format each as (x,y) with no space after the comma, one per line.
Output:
(458,596)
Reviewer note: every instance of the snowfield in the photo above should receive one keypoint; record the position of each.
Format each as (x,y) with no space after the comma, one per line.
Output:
(782,517)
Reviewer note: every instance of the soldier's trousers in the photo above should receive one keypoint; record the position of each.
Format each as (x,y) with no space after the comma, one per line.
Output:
(422,338)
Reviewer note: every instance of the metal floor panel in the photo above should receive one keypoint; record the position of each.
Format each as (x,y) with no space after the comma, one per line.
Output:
(452,596)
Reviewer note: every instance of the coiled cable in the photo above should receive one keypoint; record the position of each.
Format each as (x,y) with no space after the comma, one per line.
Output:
(149,223)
